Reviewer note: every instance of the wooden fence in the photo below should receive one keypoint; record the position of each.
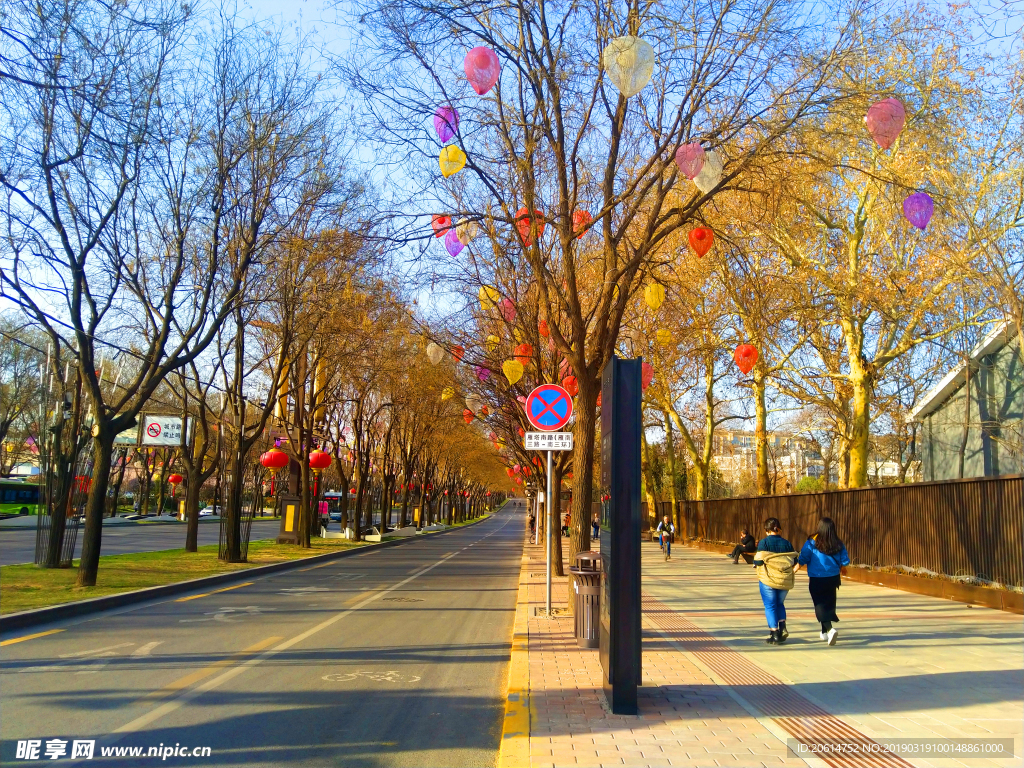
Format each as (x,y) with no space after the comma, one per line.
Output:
(960,528)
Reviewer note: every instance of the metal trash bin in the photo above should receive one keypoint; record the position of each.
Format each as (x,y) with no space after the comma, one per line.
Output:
(586,577)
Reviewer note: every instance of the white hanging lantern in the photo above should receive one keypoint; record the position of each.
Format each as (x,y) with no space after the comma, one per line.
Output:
(710,174)
(629,62)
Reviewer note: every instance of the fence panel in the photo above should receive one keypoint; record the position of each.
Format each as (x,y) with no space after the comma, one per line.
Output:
(969,527)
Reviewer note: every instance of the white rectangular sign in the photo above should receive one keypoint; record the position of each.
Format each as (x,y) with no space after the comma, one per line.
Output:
(161,430)
(549,441)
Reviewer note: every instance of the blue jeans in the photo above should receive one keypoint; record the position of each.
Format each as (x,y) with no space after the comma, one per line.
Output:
(774,608)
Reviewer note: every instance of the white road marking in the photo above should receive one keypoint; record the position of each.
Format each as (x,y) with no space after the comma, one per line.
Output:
(146,649)
(390,676)
(302,590)
(95,651)
(228,615)
(92,669)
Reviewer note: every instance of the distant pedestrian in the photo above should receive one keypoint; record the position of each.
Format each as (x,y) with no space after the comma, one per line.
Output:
(747,544)
(595,526)
(566,521)
(774,561)
(667,531)
(533,528)
(825,557)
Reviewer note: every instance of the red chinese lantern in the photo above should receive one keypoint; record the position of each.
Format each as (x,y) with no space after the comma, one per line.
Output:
(484,411)
(523,221)
(598,399)
(542,328)
(523,353)
(274,459)
(646,375)
(580,221)
(441,224)
(174,480)
(351,490)
(467,416)
(745,357)
(701,240)
(319,460)
(458,352)
(509,472)
(570,385)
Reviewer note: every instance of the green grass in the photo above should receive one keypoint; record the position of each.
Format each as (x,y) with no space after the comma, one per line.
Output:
(24,587)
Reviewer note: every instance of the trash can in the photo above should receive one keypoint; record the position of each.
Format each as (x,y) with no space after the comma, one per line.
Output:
(586,578)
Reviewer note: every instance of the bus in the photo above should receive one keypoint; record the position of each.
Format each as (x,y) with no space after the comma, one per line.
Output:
(16,493)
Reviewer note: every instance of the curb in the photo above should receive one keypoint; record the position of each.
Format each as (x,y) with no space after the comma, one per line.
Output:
(38,616)
(514,751)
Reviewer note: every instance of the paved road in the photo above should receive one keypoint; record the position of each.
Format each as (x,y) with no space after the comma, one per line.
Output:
(19,545)
(394,657)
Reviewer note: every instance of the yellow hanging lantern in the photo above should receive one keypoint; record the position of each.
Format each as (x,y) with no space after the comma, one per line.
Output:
(513,370)
(492,342)
(654,295)
(447,393)
(489,297)
(663,336)
(452,160)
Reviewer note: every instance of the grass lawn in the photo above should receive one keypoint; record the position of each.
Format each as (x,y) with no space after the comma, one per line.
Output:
(24,587)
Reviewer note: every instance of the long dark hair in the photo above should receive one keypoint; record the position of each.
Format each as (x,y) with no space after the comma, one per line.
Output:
(826,539)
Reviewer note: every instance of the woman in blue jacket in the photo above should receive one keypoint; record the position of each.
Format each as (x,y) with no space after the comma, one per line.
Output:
(824,555)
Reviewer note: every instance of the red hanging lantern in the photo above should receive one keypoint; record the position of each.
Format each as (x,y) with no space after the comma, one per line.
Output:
(646,375)
(319,460)
(458,352)
(440,224)
(274,459)
(174,480)
(509,472)
(467,416)
(522,433)
(542,328)
(598,400)
(523,221)
(580,221)
(570,385)
(523,353)
(701,240)
(745,357)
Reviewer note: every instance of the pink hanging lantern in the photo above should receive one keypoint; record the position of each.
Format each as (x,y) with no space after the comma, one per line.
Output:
(446,123)
(690,159)
(508,310)
(482,69)
(885,120)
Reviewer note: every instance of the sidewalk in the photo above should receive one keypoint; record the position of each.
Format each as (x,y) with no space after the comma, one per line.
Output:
(906,666)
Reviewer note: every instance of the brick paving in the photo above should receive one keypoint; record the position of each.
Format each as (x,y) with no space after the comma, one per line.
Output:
(712,696)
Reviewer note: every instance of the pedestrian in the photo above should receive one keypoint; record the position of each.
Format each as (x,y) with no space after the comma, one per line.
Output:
(533,527)
(667,531)
(595,527)
(565,524)
(747,544)
(774,562)
(825,558)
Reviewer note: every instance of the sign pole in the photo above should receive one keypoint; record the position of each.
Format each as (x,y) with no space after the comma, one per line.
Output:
(551,521)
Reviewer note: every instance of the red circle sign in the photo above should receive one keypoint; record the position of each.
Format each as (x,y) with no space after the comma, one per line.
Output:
(153,430)
(549,407)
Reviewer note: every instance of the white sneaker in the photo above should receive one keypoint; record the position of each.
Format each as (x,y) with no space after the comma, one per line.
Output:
(832,635)
(823,636)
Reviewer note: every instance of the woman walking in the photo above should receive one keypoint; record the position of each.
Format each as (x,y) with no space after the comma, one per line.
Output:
(825,556)
(774,561)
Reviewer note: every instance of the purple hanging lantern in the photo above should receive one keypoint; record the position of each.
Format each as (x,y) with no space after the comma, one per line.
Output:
(482,373)
(446,123)
(918,209)
(452,243)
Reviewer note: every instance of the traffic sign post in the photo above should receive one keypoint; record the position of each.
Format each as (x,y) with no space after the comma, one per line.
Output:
(549,408)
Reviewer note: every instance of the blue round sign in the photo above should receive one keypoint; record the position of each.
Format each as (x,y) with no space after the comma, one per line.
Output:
(549,407)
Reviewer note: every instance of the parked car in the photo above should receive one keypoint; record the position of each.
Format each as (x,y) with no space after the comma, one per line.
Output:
(211,510)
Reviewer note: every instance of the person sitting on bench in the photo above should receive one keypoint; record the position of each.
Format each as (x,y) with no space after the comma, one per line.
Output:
(748,544)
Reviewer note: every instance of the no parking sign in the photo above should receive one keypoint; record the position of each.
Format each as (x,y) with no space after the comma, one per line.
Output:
(549,407)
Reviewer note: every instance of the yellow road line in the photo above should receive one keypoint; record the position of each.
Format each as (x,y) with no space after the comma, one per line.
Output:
(194,677)
(22,639)
(515,732)
(216,591)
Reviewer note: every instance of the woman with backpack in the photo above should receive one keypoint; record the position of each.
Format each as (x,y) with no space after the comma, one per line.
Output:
(825,557)
(774,562)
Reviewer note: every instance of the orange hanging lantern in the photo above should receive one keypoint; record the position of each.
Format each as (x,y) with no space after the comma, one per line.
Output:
(542,328)
(523,353)
(580,221)
(701,239)
(570,385)
(523,222)
(458,352)
(467,416)
(745,357)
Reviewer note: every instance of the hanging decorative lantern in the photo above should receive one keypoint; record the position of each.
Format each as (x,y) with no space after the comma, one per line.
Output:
(446,123)
(663,336)
(452,160)
(745,357)
(581,221)
(483,410)
(508,310)
(629,62)
(690,159)
(513,370)
(521,432)
(174,480)
(492,342)
(701,239)
(488,296)
(319,460)
(570,385)
(452,244)
(523,353)
(646,375)
(654,295)
(447,394)
(458,352)
(275,459)
(435,354)
(885,120)
(598,403)
(542,328)
(467,416)
(710,174)
(509,472)
(918,209)
(482,69)
(440,223)
(483,374)
(524,222)
(474,404)
(466,231)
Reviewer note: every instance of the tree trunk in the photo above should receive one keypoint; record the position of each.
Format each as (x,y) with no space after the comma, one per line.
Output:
(232,506)
(584,433)
(673,490)
(406,493)
(192,514)
(764,485)
(103,446)
(648,478)
(557,567)
(860,431)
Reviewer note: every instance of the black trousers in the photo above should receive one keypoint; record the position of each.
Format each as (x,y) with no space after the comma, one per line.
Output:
(738,550)
(823,595)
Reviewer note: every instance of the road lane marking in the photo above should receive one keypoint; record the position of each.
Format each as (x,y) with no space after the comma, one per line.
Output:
(215,592)
(146,649)
(194,677)
(95,650)
(23,638)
